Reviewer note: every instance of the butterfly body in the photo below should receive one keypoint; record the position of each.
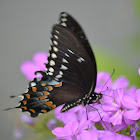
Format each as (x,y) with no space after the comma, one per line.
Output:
(70,75)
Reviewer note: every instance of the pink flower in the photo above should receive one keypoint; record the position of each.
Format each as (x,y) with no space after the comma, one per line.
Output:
(119,111)
(74,114)
(102,77)
(120,106)
(133,129)
(107,135)
(104,80)
(67,132)
(88,135)
(18,133)
(96,116)
(25,118)
(131,92)
(71,131)
(52,124)
(133,105)
(121,82)
(29,68)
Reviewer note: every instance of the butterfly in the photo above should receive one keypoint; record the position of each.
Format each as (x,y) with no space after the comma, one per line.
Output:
(70,75)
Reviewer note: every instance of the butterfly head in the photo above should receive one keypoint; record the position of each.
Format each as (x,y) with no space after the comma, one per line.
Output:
(92,98)
(98,95)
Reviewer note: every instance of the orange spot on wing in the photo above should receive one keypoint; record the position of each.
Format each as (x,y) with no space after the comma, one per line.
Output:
(48,103)
(45,93)
(58,85)
(50,88)
(43,84)
(53,106)
(34,89)
(24,107)
(28,96)
(24,102)
(44,111)
(32,110)
(42,97)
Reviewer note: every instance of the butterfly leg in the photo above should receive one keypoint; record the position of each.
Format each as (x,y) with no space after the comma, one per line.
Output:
(99,115)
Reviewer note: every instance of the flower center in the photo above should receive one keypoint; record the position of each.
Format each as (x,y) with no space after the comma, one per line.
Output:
(122,109)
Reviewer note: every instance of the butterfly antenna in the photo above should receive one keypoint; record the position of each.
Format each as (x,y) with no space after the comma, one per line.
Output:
(108,80)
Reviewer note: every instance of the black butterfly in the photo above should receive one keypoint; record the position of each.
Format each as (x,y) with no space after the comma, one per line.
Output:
(70,76)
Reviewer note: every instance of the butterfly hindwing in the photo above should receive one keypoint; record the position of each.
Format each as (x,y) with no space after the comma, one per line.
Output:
(42,98)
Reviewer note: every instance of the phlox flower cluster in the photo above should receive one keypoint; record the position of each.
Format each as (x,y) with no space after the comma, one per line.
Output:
(118,109)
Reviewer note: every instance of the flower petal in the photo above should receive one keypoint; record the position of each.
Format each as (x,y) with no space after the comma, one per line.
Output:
(129,103)
(107,135)
(71,128)
(106,125)
(117,118)
(126,119)
(39,59)
(18,133)
(118,95)
(102,77)
(133,129)
(138,96)
(110,106)
(84,125)
(59,132)
(94,116)
(69,117)
(25,118)
(58,113)
(131,92)
(52,124)
(121,82)
(139,71)
(88,135)
(108,95)
(132,114)
(28,69)
(117,128)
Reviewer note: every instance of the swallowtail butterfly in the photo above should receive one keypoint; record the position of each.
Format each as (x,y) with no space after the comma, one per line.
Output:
(70,76)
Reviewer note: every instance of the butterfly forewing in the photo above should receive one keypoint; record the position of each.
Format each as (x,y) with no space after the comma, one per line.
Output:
(68,21)
(74,26)
(72,59)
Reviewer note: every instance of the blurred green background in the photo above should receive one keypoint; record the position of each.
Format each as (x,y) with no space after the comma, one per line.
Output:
(112,27)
